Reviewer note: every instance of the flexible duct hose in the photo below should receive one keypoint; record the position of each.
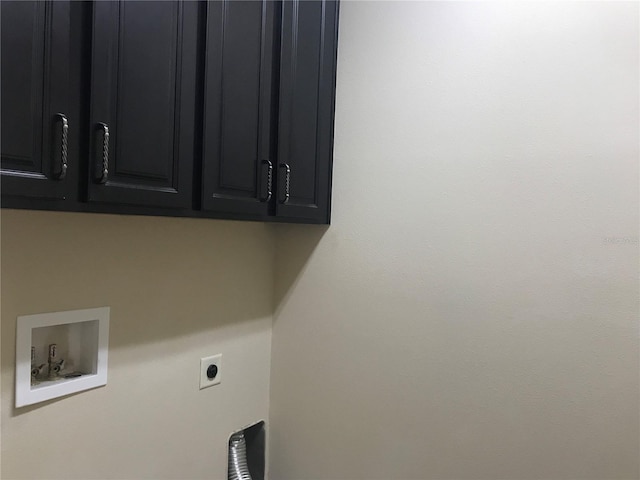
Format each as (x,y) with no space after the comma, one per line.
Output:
(238,468)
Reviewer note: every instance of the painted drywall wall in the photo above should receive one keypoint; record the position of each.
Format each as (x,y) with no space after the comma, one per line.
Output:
(179,290)
(472,312)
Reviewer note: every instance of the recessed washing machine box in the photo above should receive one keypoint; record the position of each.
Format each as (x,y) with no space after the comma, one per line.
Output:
(60,353)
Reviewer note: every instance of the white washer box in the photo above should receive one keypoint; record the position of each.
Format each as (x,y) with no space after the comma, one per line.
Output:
(81,338)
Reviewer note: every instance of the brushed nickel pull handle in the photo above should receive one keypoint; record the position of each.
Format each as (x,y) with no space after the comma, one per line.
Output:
(269,193)
(61,148)
(287,182)
(102,154)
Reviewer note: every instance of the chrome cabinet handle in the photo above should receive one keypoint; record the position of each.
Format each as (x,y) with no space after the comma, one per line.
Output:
(269,193)
(60,146)
(287,182)
(102,154)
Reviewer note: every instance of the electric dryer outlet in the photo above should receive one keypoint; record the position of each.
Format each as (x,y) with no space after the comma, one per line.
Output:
(210,371)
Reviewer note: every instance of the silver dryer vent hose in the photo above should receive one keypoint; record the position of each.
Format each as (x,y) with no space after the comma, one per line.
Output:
(238,468)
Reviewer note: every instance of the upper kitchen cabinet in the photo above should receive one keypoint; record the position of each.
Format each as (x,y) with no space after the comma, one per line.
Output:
(35,101)
(143,102)
(220,109)
(306,110)
(238,154)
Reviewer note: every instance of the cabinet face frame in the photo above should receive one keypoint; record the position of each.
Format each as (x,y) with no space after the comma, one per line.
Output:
(47,170)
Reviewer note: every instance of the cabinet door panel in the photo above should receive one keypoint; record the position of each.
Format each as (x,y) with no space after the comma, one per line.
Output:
(307,97)
(237,133)
(35,77)
(143,89)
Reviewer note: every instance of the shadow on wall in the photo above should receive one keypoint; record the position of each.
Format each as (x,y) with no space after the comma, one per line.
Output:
(176,286)
(178,282)
(162,277)
(295,245)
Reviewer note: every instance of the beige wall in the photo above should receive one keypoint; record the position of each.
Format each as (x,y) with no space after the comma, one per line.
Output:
(179,289)
(466,315)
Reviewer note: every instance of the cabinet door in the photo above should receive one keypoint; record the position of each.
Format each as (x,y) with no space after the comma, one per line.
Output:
(307,97)
(238,161)
(35,100)
(143,93)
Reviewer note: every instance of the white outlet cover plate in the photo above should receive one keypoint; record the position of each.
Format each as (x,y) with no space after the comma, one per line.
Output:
(204,365)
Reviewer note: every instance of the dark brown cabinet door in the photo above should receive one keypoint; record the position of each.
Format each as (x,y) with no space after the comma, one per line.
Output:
(238,162)
(307,98)
(143,102)
(35,100)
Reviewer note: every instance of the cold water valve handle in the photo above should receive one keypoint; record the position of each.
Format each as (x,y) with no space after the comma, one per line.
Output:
(55,365)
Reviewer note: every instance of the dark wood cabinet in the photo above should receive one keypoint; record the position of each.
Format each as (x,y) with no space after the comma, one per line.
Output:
(143,102)
(239,105)
(220,109)
(307,98)
(35,100)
